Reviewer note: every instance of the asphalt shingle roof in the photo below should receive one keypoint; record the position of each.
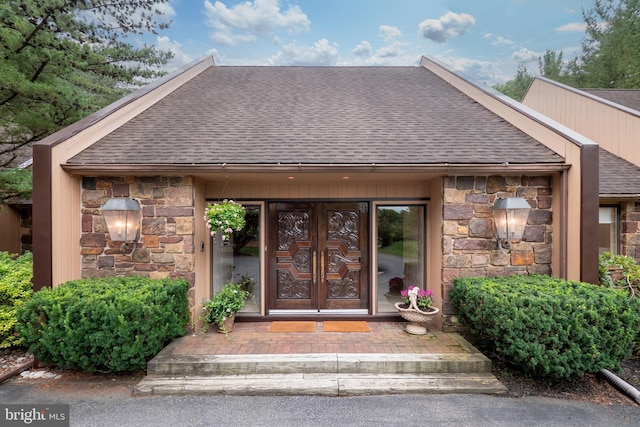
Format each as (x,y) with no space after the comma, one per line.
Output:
(629,98)
(316,115)
(617,176)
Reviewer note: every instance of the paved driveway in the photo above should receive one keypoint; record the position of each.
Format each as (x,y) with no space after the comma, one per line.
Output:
(108,403)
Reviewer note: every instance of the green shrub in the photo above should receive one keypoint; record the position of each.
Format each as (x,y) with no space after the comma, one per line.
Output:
(113,324)
(16,274)
(549,326)
(619,271)
(622,272)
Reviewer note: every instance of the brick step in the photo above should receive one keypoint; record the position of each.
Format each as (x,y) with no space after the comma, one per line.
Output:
(319,384)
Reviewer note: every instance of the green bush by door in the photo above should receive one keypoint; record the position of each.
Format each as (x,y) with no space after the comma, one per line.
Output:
(113,324)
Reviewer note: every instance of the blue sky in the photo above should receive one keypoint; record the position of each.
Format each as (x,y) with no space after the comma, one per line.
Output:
(485,40)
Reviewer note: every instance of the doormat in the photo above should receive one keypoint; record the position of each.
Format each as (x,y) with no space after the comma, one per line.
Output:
(345,326)
(286,326)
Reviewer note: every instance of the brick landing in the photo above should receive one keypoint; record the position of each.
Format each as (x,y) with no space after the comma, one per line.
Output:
(253,361)
(385,337)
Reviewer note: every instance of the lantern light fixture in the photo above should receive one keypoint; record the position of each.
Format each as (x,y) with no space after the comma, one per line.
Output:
(123,222)
(510,217)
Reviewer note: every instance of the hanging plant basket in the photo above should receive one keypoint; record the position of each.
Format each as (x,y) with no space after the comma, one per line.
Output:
(225,217)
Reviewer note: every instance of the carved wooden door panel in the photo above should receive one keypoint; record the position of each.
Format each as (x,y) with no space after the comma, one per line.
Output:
(292,279)
(342,248)
(320,256)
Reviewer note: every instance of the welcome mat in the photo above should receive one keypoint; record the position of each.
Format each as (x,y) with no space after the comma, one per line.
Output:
(345,326)
(286,326)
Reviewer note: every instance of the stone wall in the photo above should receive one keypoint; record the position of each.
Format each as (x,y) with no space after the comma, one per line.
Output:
(166,244)
(469,248)
(629,230)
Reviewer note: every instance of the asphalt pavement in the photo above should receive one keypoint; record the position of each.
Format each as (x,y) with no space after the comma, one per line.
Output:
(109,403)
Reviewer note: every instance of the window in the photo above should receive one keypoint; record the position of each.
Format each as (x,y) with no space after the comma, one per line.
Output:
(608,230)
(400,252)
(238,260)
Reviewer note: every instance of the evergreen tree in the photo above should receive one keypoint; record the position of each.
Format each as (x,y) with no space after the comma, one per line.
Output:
(61,60)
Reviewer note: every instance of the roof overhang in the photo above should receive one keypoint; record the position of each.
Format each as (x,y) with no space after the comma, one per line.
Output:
(211,170)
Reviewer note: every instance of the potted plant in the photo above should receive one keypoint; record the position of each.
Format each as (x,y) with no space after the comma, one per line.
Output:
(222,308)
(226,217)
(417,308)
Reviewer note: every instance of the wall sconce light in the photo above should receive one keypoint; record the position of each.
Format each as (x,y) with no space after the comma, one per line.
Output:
(123,222)
(510,217)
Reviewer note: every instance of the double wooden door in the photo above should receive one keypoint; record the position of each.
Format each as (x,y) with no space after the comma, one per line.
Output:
(318,256)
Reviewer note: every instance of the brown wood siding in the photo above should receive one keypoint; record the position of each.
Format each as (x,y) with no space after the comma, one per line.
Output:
(9,230)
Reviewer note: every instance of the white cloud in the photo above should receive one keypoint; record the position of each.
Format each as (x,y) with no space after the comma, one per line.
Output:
(447,26)
(501,41)
(363,49)
(395,49)
(524,56)
(572,27)
(179,57)
(389,33)
(481,71)
(321,53)
(247,21)
(165,9)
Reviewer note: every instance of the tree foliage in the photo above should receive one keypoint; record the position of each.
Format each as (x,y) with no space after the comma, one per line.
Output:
(610,57)
(61,60)
(15,184)
(517,87)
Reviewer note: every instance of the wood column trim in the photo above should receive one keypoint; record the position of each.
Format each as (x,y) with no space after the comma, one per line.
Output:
(42,227)
(590,202)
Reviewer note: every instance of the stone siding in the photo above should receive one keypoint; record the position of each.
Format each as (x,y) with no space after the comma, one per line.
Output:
(630,230)
(166,244)
(469,248)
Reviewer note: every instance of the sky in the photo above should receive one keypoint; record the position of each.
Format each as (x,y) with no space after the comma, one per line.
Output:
(485,40)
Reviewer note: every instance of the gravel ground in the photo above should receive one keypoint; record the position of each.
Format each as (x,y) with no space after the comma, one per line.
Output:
(12,358)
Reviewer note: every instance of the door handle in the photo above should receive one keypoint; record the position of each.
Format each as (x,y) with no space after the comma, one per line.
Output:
(315,266)
(322,266)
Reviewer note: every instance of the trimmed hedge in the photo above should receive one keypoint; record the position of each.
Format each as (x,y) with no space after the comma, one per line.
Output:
(621,272)
(549,326)
(16,274)
(114,324)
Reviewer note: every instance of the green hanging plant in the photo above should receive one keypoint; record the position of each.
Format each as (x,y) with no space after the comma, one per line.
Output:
(225,217)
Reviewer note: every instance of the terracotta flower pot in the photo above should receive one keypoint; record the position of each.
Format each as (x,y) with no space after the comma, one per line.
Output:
(227,325)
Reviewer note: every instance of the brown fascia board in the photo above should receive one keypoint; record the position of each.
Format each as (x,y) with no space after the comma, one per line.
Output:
(80,125)
(618,197)
(183,169)
(590,96)
(568,133)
